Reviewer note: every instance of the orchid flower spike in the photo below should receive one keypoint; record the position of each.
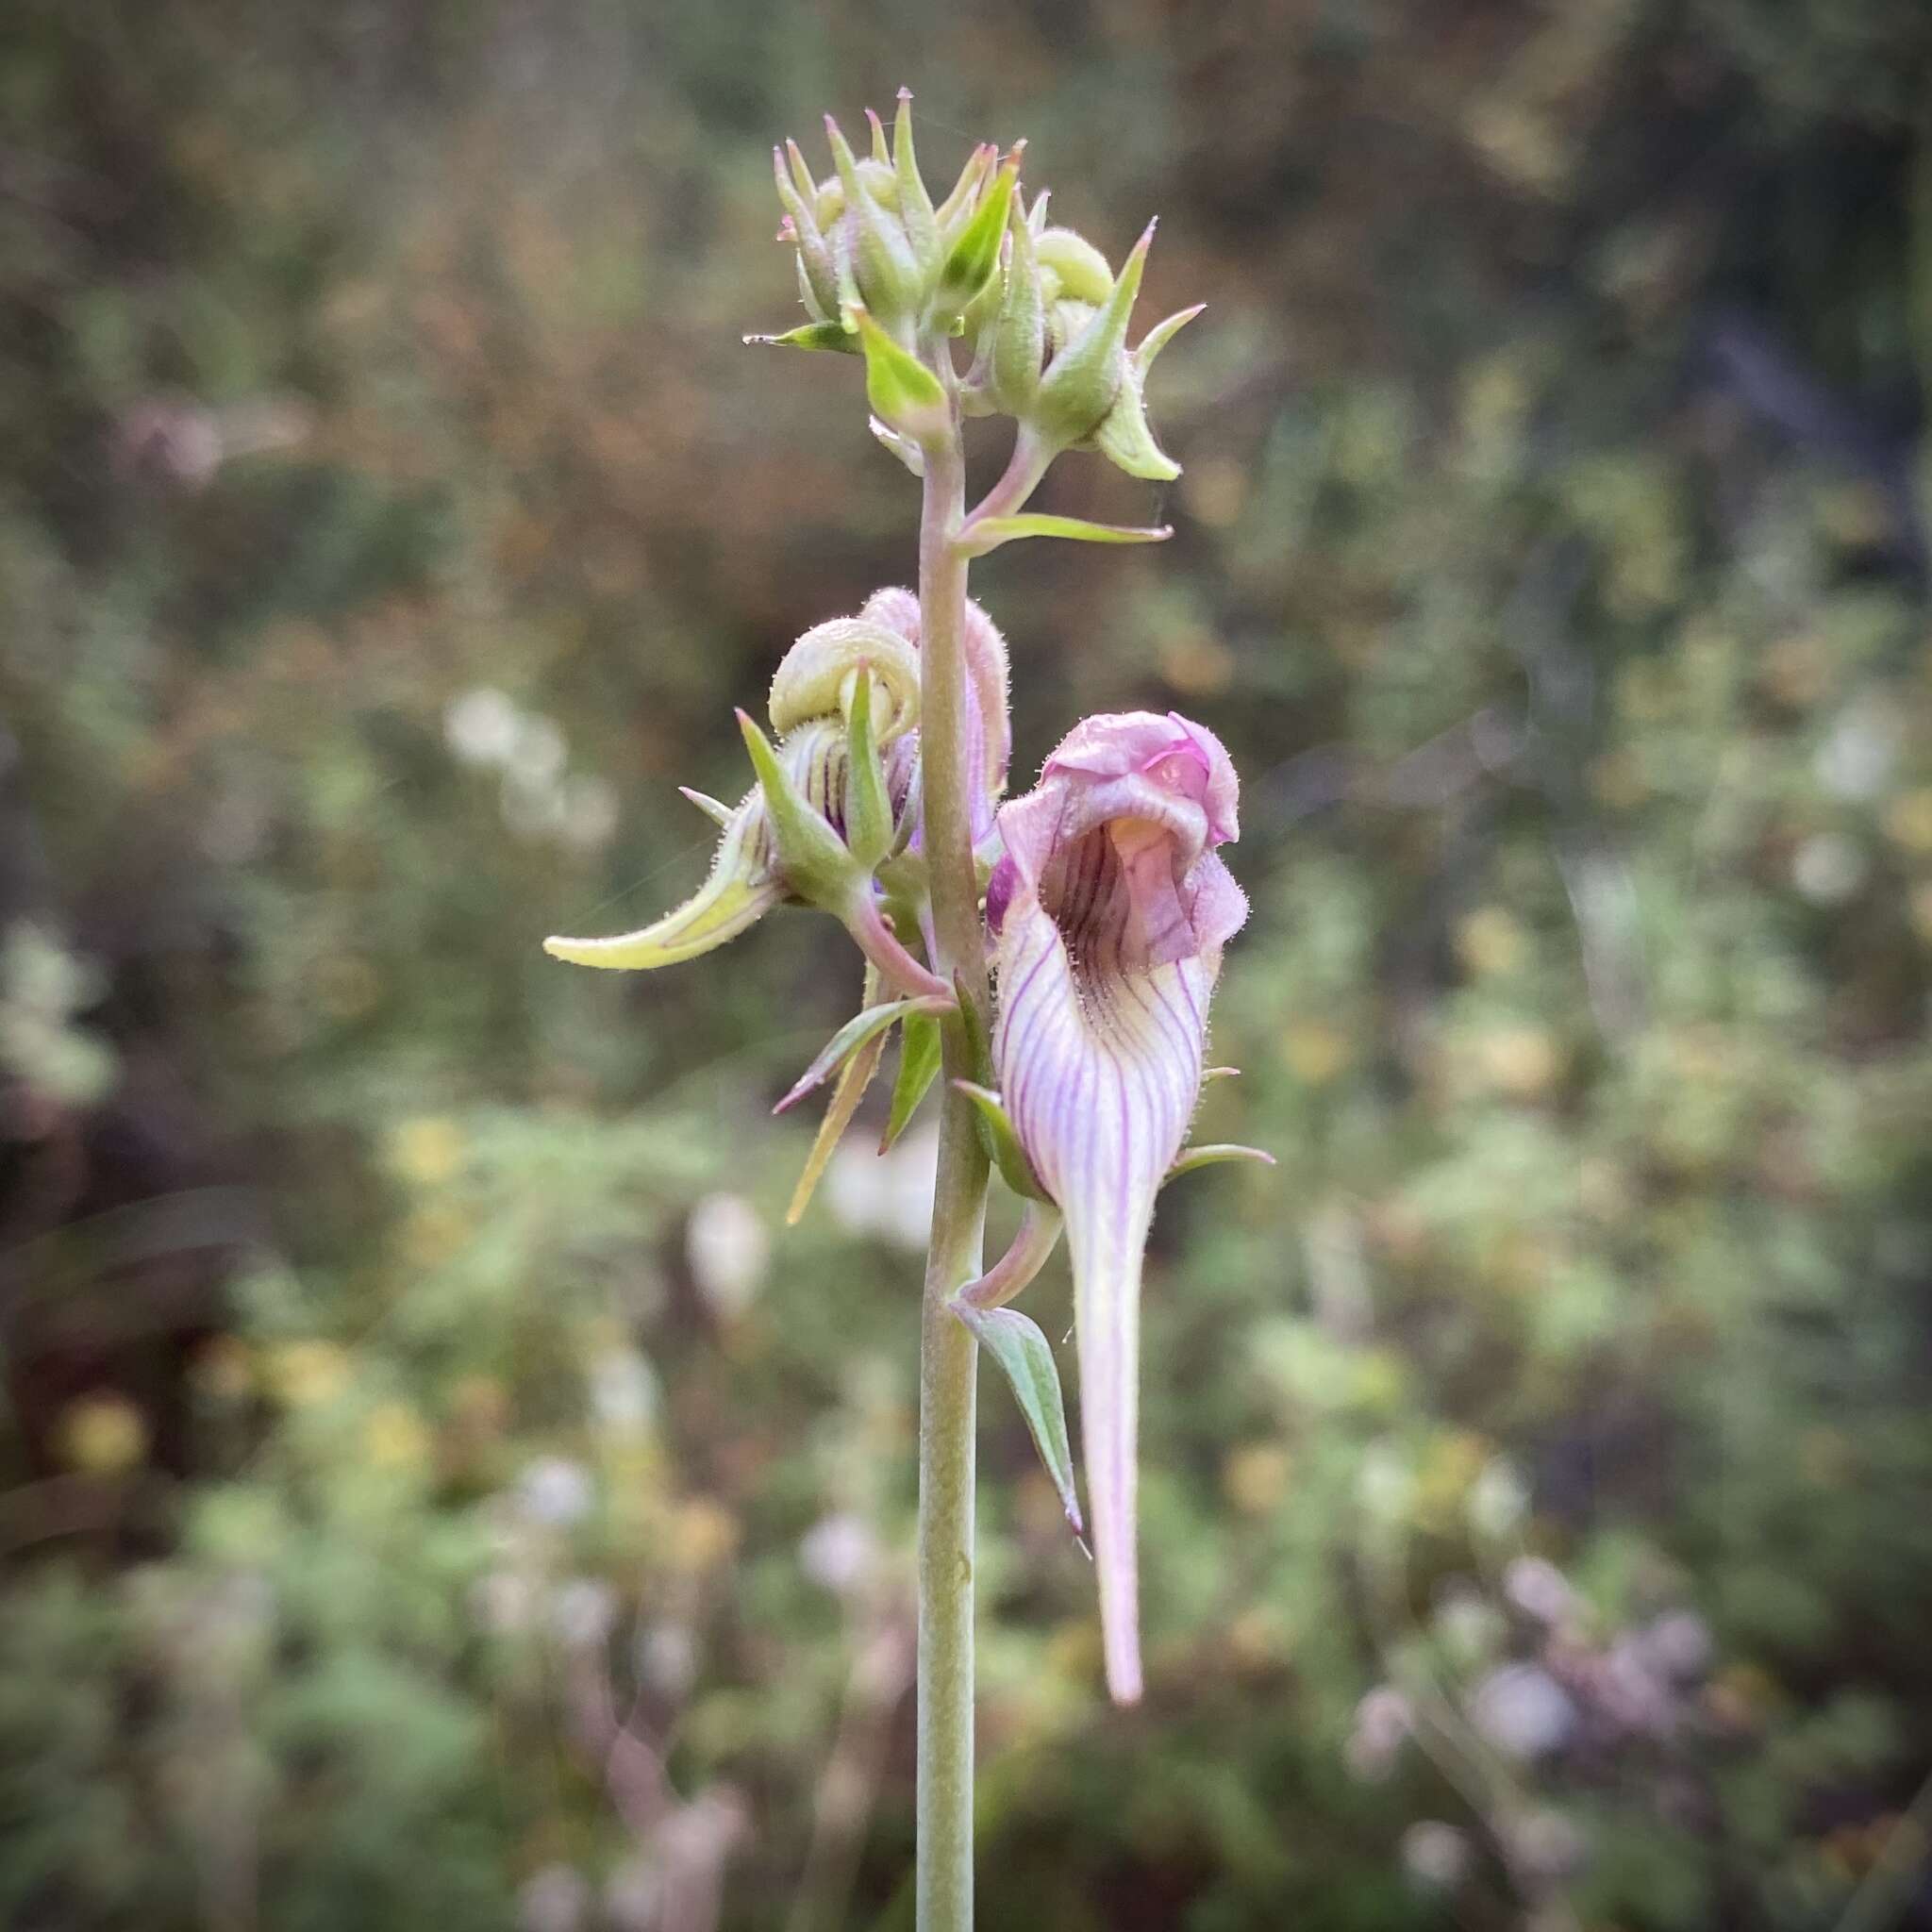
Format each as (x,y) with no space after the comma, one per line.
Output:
(1111,908)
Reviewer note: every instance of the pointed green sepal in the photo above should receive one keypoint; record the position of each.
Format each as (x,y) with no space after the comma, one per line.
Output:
(867,808)
(902,446)
(956,209)
(1214,1152)
(1083,380)
(1025,1358)
(854,1079)
(1157,338)
(714,809)
(920,1045)
(917,214)
(811,856)
(818,277)
(1002,1141)
(863,1027)
(1125,440)
(976,255)
(988,533)
(882,263)
(809,335)
(801,174)
(738,892)
(903,391)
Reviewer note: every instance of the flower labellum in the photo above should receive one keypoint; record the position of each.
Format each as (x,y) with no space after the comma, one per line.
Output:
(1111,908)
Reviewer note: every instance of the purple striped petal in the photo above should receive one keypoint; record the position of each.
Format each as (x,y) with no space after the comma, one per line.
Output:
(1111,909)
(989,724)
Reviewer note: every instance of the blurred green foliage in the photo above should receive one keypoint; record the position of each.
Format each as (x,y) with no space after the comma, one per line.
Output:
(435,1489)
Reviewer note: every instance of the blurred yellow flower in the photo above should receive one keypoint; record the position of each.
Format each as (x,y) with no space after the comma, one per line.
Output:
(1259,1641)
(427,1151)
(225,1369)
(702,1534)
(1215,490)
(1197,663)
(1313,1051)
(1796,670)
(431,1234)
(1910,821)
(1074,1650)
(306,1374)
(1452,1462)
(1491,942)
(397,1438)
(1522,1061)
(1256,1478)
(102,1435)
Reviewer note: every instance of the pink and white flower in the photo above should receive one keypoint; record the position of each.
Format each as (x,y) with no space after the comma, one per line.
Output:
(1111,908)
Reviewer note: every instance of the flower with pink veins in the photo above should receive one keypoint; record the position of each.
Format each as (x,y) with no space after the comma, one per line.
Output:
(1111,908)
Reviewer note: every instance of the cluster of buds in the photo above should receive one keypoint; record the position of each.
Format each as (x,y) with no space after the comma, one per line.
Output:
(1042,318)
(1106,905)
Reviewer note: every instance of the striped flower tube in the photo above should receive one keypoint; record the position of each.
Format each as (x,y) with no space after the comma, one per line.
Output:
(1111,908)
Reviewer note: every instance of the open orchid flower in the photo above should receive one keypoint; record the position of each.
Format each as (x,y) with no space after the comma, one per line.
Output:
(1111,908)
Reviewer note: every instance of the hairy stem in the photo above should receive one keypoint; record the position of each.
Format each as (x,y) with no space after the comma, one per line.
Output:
(948,1366)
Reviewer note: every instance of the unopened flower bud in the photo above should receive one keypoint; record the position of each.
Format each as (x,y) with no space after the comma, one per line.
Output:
(1072,269)
(1085,376)
(1019,340)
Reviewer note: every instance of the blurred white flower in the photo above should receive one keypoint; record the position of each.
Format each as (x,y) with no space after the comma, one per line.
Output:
(1679,1644)
(540,751)
(532,808)
(1858,753)
(1630,1691)
(1828,868)
(504,1603)
(1538,1589)
(556,1492)
(1545,1844)
(1523,1711)
(1383,1720)
(1385,1486)
(632,1894)
(582,1612)
(668,1659)
(837,1552)
(553,1899)
(1469,1625)
(586,811)
(887,1196)
(481,727)
(730,1249)
(1498,1501)
(624,1392)
(1435,1857)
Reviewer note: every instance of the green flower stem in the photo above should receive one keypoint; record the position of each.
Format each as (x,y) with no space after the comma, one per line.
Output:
(948,1364)
(1031,460)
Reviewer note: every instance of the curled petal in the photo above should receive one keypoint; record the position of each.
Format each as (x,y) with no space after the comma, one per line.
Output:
(742,889)
(814,674)
(1112,910)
